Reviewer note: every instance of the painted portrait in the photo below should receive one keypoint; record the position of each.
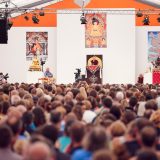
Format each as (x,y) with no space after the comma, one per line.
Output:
(95,31)
(36,45)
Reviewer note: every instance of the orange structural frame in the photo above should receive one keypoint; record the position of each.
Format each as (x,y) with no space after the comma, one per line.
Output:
(50,20)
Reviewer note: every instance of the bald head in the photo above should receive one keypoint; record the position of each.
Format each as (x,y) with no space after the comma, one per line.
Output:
(39,151)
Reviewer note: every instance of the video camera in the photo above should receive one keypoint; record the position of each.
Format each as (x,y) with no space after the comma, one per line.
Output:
(6,76)
(3,78)
(78,73)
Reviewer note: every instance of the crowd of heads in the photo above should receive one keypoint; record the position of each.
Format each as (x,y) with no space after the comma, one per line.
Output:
(79,121)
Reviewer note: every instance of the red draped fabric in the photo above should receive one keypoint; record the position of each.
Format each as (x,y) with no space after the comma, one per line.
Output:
(156,76)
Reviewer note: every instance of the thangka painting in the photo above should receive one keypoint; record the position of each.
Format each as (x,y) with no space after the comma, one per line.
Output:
(37,45)
(95,31)
(153,46)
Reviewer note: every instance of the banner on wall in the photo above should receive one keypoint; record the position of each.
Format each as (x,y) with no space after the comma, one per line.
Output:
(36,45)
(95,31)
(94,65)
(153,45)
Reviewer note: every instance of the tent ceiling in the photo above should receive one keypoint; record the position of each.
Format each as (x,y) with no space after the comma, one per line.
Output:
(17,6)
(27,3)
(82,3)
(155,3)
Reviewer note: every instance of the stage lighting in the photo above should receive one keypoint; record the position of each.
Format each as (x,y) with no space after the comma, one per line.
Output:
(158,19)
(9,24)
(83,19)
(139,13)
(26,18)
(146,20)
(35,19)
(41,13)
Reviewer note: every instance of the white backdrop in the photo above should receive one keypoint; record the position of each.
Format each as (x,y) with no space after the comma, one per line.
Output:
(118,57)
(13,54)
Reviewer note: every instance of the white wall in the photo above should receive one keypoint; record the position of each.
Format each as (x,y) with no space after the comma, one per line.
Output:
(13,54)
(118,57)
(142,47)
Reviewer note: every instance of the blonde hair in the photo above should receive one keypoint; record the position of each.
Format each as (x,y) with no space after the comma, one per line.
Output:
(117,129)
(155,118)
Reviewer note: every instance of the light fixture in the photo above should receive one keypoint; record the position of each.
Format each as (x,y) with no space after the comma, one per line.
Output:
(146,20)
(35,19)
(9,24)
(139,13)
(41,13)
(158,19)
(83,19)
(26,17)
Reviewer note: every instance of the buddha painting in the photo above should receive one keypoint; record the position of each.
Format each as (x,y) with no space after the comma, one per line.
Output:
(96,31)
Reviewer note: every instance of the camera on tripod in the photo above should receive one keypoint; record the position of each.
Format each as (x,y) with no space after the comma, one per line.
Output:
(6,76)
(77,74)
(3,78)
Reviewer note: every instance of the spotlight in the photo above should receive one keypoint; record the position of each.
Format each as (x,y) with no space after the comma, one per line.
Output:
(146,20)
(9,24)
(41,13)
(158,19)
(26,18)
(139,13)
(83,19)
(35,19)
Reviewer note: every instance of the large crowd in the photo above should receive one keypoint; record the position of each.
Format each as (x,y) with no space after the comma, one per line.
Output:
(79,122)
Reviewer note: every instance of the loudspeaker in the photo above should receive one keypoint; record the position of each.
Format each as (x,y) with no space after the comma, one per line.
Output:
(3,31)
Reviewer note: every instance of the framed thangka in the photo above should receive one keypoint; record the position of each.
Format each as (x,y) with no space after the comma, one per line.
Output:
(153,46)
(37,45)
(95,31)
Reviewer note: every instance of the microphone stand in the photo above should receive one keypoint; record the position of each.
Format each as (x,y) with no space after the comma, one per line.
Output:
(42,64)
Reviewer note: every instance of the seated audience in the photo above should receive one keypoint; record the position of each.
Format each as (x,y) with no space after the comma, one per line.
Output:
(74,122)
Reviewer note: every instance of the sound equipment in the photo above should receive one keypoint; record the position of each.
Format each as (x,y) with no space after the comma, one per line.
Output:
(3,31)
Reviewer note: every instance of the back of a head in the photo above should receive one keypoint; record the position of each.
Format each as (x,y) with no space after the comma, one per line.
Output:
(148,136)
(55,117)
(5,136)
(93,93)
(50,132)
(133,101)
(151,104)
(15,124)
(104,155)
(39,116)
(77,131)
(119,95)
(107,102)
(38,151)
(147,155)
(115,110)
(96,139)
(128,116)
(117,129)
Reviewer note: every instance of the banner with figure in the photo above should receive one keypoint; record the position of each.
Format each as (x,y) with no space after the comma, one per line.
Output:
(94,65)
(153,46)
(37,45)
(95,31)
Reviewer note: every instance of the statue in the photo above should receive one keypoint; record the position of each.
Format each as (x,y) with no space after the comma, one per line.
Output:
(35,66)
